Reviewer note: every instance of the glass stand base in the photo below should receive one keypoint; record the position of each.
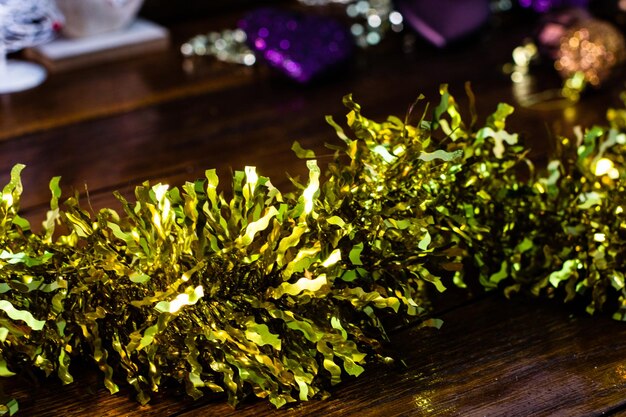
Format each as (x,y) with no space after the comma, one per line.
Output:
(20,76)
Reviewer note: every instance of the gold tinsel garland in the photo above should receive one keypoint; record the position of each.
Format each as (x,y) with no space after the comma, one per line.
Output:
(281,295)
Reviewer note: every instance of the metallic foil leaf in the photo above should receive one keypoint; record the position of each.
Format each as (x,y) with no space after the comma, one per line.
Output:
(22,315)
(309,286)
(9,406)
(440,154)
(302,153)
(261,335)
(188,298)
(4,370)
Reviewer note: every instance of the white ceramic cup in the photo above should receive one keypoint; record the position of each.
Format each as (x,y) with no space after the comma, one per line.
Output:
(92,17)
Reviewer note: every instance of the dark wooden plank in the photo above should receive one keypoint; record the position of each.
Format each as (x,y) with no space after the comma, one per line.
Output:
(95,92)
(119,86)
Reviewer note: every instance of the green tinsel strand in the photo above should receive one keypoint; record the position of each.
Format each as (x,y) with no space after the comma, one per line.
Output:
(559,232)
(282,295)
(274,295)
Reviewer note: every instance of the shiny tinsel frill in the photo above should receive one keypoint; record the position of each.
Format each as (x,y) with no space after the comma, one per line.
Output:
(282,295)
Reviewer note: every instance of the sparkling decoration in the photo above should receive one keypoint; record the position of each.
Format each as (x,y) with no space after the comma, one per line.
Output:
(301,46)
(227,46)
(371,19)
(315,50)
(523,82)
(585,52)
(281,295)
(554,27)
(443,21)
(592,49)
(24,23)
(499,6)
(543,6)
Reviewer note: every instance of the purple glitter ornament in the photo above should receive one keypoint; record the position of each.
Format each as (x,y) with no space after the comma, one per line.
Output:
(300,46)
(443,21)
(543,6)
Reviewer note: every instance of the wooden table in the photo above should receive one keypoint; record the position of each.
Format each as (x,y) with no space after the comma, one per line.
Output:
(150,118)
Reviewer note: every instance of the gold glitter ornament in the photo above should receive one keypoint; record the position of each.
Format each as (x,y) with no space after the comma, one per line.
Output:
(589,52)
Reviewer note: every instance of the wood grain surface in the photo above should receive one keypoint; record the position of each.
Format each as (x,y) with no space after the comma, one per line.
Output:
(156,118)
